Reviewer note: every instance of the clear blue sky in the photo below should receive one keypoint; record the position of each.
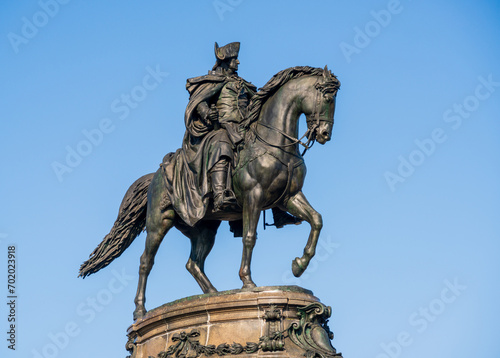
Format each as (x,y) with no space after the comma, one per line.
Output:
(408,186)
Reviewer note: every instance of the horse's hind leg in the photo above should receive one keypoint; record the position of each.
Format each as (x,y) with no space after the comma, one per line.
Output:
(158,223)
(202,238)
(299,206)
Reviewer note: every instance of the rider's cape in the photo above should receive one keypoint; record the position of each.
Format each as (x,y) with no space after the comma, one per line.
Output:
(186,170)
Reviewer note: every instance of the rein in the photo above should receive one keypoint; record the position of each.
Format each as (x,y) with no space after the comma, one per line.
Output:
(312,125)
(287,136)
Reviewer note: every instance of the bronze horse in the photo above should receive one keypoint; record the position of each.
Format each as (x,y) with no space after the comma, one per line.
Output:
(270,173)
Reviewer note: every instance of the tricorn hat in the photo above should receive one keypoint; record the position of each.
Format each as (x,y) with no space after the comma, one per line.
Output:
(228,51)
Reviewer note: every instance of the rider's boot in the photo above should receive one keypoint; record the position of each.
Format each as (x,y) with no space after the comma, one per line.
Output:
(223,197)
(282,218)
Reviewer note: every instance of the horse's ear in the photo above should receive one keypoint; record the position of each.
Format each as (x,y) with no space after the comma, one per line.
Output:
(326,73)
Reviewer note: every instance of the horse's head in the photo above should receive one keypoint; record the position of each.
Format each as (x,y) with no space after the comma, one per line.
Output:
(319,107)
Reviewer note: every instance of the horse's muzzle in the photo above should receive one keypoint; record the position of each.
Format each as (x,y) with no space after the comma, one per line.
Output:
(323,137)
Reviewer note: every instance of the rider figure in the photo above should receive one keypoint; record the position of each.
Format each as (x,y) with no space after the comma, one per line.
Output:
(217,104)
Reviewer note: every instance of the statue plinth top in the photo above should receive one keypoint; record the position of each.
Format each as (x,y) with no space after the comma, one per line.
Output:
(286,320)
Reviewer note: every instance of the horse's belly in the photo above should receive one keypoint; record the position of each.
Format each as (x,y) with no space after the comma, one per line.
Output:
(287,185)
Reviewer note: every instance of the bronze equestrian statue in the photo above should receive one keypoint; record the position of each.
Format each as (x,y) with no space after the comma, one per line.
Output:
(240,156)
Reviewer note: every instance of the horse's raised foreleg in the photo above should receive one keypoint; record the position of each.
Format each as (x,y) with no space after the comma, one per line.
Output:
(251,213)
(158,223)
(202,238)
(299,206)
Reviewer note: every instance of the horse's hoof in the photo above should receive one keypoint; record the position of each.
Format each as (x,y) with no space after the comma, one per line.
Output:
(297,268)
(210,290)
(139,313)
(248,285)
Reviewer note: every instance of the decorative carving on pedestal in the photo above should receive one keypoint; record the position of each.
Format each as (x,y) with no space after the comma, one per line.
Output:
(274,340)
(188,346)
(312,332)
(131,347)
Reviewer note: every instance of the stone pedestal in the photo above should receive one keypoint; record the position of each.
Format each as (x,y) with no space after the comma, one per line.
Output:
(280,321)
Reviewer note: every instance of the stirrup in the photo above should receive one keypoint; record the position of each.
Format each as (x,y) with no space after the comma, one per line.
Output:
(224,199)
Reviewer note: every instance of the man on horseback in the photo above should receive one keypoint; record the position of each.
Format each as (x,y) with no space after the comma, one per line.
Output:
(217,105)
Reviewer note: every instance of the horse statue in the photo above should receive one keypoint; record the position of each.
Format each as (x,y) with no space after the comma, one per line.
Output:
(270,172)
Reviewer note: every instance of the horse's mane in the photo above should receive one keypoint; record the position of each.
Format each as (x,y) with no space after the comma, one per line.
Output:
(277,81)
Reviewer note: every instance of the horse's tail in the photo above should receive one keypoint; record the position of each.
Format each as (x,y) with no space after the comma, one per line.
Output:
(129,224)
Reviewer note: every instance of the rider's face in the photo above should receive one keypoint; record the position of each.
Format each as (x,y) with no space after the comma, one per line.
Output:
(233,64)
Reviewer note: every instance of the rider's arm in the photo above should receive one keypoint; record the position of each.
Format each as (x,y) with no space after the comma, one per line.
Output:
(209,115)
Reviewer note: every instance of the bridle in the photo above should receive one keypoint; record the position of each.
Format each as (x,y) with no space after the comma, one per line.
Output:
(313,123)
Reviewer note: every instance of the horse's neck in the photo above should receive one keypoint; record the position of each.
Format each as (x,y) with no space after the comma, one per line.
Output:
(281,111)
